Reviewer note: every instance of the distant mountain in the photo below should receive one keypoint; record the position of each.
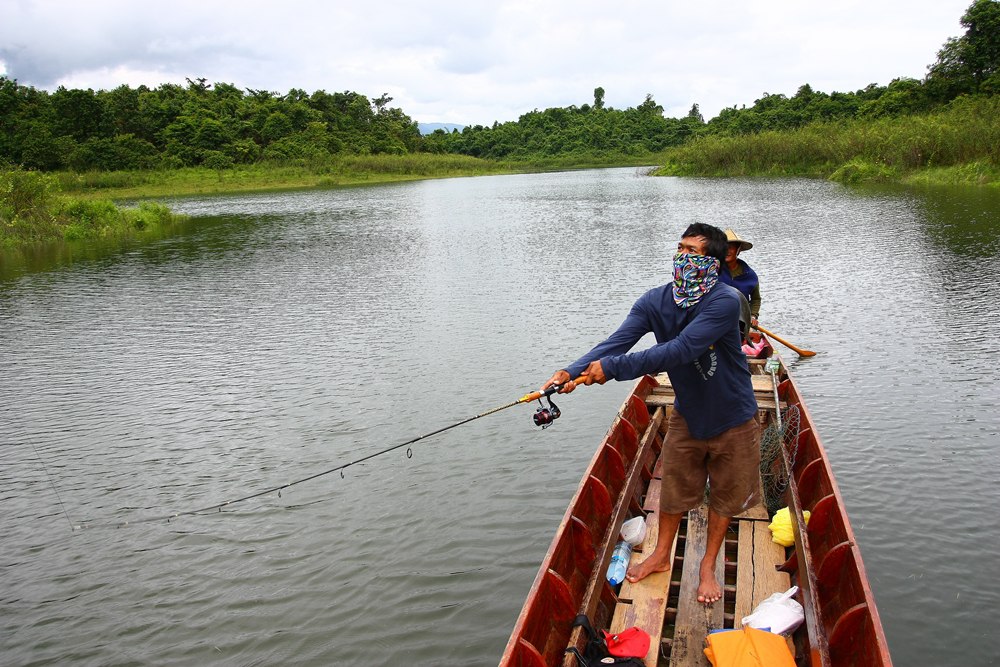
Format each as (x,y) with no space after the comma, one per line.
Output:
(427,128)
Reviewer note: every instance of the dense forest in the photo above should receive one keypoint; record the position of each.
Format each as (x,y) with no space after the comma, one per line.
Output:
(175,126)
(220,126)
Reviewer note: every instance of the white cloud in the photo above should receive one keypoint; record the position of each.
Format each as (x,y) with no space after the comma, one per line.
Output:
(477,62)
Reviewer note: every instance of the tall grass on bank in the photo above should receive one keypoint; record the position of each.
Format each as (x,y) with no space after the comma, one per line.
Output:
(32,211)
(960,143)
(340,170)
(290,174)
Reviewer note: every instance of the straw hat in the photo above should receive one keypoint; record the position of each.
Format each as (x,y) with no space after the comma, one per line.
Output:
(733,237)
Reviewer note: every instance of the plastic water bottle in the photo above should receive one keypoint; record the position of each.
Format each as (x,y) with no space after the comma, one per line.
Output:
(619,563)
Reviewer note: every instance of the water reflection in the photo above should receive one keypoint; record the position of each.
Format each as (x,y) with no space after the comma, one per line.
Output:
(963,220)
(960,301)
(35,259)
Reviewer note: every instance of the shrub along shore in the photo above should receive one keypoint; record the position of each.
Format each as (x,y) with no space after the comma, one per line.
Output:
(33,213)
(959,144)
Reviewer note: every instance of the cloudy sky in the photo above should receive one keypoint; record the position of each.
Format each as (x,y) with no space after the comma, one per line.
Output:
(472,62)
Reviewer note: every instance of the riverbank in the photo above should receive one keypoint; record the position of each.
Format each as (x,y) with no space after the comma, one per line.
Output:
(957,145)
(342,171)
(37,208)
(346,171)
(33,213)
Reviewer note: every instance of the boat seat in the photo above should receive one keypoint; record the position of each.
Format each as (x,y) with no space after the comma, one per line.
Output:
(763,391)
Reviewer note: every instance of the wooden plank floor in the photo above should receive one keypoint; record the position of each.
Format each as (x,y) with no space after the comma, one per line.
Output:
(646,604)
(756,576)
(694,619)
(666,604)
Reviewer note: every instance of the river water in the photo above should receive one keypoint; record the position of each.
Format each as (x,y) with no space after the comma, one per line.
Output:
(283,335)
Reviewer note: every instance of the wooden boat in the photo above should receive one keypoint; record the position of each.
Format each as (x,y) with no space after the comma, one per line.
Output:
(842,626)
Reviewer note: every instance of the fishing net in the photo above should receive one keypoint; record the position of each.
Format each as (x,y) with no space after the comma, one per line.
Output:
(773,471)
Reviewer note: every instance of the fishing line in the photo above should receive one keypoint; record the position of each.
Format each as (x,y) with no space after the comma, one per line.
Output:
(543,417)
(54,489)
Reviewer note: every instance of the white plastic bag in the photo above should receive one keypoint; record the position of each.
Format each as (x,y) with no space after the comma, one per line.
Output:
(779,613)
(634,530)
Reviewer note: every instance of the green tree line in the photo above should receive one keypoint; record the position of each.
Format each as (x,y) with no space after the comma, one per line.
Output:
(584,130)
(221,126)
(172,126)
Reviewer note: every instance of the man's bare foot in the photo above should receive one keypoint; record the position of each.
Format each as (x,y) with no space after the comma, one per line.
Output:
(655,563)
(709,590)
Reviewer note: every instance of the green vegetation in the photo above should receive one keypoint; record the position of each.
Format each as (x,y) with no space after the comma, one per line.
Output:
(944,129)
(222,129)
(202,138)
(32,212)
(348,170)
(173,127)
(949,141)
(583,131)
(345,170)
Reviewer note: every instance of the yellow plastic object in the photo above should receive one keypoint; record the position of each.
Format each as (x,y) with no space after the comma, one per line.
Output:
(781,527)
(748,647)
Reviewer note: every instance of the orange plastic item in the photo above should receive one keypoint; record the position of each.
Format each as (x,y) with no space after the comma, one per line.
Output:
(748,647)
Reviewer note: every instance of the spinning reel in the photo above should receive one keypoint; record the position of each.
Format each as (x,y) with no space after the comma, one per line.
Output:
(544,416)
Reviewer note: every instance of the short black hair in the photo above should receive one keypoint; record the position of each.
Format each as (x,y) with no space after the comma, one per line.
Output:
(716,242)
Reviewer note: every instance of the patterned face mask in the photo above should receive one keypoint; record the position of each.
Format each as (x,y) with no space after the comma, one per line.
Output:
(694,276)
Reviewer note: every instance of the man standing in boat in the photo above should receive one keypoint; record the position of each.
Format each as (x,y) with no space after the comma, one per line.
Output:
(713,430)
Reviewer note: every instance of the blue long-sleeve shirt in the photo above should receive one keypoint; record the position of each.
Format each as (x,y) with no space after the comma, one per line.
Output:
(698,347)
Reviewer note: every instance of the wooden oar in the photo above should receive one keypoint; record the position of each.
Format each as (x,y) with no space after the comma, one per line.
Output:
(799,350)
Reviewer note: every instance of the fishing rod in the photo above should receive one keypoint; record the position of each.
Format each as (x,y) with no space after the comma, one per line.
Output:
(544,416)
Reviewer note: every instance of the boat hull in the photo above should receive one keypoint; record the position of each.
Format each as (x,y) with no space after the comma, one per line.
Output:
(842,627)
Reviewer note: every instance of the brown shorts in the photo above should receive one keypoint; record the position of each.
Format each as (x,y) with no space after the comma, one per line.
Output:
(729,462)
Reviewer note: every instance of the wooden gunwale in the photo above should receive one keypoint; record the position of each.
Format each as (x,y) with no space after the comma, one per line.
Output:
(827,564)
